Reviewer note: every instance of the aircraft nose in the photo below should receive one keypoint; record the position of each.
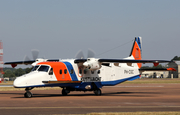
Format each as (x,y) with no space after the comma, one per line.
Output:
(17,82)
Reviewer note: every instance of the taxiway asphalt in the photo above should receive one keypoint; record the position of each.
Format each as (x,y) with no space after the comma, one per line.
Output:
(119,98)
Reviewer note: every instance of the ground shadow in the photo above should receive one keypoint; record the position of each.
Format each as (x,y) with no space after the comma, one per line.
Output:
(127,94)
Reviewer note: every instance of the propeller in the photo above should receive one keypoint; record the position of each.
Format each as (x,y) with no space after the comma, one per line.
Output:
(91,53)
(26,58)
(35,60)
(80,55)
(90,63)
(35,53)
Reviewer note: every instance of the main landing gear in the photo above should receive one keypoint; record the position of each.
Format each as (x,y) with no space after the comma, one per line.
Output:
(65,91)
(28,94)
(97,92)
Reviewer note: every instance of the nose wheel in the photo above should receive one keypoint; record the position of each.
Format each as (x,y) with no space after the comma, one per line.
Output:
(28,94)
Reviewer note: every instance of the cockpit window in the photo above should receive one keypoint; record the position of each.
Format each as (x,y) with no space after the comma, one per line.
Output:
(43,68)
(35,68)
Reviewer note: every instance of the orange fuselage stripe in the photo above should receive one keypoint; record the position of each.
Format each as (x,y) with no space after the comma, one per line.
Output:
(57,66)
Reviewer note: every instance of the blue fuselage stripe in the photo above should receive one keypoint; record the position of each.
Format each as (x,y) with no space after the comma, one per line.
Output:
(112,83)
(70,67)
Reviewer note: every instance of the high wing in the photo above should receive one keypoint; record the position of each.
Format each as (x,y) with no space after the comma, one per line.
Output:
(95,63)
(132,61)
(20,62)
(15,63)
(123,61)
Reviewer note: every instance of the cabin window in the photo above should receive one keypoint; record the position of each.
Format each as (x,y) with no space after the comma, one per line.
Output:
(43,68)
(92,72)
(35,68)
(65,71)
(85,71)
(116,64)
(51,71)
(106,64)
(80,71)
(60,71)
(98,72)
(72,71)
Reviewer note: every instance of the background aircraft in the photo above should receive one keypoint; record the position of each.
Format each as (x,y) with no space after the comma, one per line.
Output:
(81,74)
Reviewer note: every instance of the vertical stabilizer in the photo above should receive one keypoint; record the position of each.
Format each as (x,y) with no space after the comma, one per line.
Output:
(136,51)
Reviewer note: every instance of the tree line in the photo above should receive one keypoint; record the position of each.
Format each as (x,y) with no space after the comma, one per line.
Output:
(13,72)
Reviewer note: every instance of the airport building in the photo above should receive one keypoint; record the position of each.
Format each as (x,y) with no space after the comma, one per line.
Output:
(175,65)
(164,74)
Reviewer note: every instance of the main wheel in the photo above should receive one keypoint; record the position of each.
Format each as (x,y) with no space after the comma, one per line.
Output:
(97,92)
(28,94)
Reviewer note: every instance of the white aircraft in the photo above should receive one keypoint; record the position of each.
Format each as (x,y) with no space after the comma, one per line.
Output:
(89,74)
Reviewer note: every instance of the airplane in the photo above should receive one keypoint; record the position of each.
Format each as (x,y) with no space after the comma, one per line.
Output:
(81,74)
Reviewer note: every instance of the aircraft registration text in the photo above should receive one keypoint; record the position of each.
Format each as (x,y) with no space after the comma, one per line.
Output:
(128,71)
(91,79)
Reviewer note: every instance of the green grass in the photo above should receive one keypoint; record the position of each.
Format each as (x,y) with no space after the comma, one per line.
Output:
(137,113)
(129,113)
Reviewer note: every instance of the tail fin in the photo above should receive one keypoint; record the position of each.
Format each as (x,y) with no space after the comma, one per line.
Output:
(137,50)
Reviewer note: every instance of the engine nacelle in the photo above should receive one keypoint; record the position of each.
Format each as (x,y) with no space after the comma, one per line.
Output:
(92,64)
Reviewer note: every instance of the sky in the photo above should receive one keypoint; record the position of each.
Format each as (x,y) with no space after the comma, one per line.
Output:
(60,28)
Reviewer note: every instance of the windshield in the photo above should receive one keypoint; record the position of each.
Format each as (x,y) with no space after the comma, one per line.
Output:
(43,68)
(35,68)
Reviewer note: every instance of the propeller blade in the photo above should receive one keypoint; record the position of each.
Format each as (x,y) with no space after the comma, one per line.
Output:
(91,53)
(79,55)
(35,53)
(26,58)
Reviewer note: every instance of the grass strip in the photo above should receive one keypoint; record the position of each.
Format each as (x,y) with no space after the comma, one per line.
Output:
(136,113)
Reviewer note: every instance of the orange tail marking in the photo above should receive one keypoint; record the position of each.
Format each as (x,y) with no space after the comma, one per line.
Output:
(137,53)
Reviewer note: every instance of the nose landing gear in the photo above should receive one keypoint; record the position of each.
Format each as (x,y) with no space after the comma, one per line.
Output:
(28,94)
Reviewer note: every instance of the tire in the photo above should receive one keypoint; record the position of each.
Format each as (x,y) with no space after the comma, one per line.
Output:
(97,92)
(28,95)
(65,92)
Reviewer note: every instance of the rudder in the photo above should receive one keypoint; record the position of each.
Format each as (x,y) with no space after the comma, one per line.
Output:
(136,50)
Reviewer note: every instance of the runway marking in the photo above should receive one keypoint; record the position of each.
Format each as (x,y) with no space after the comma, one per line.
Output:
(94,107)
